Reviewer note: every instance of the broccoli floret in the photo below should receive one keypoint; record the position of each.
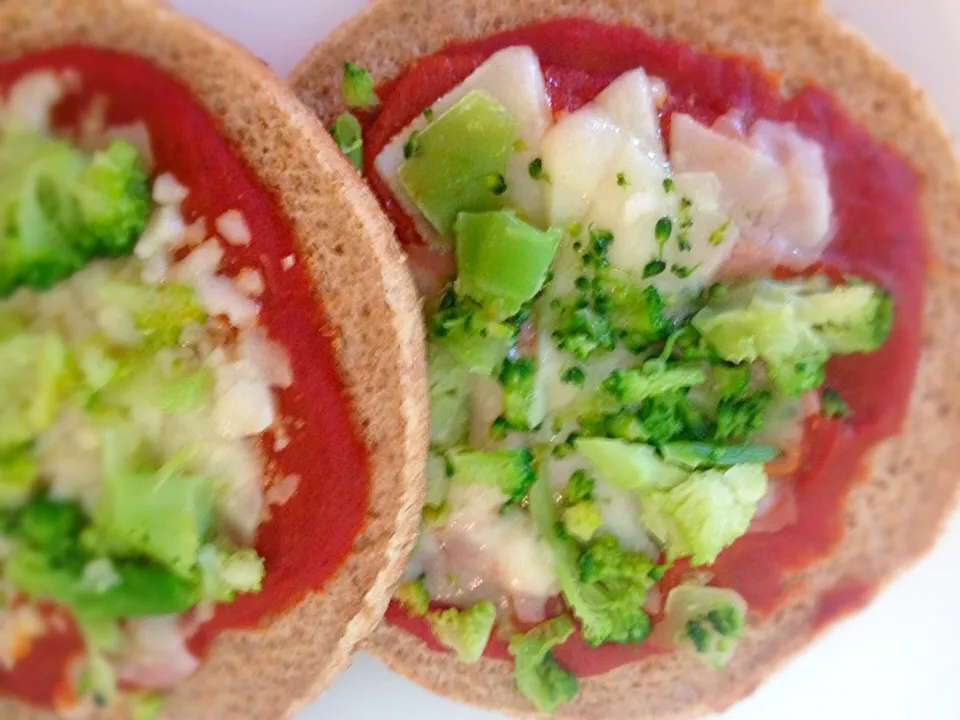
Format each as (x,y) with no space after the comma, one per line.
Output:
(34,373)
(461,328)
(466,632)
(705,513)
(636,313)
(414,598)
(707,619)
(582,520)
(833,405)
(583,332)
(740,417)
(536,672)
(60,208)
(226,573)
(579,488)
(18,477)
(357,87)
(509,470)
(794,326)
(114,198)
(600,589)
(348,134)
(632,387)
(521,409)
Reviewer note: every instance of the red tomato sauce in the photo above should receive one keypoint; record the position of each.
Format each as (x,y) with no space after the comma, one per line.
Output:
(880,236)
(307,539)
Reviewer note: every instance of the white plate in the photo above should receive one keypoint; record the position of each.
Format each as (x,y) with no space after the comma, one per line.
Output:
(896,661)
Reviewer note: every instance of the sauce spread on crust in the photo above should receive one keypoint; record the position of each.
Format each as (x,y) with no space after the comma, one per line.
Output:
(879,236)
(306,539)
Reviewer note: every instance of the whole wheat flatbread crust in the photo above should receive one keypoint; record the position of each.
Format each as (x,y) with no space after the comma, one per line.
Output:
(891,520)
(369,300)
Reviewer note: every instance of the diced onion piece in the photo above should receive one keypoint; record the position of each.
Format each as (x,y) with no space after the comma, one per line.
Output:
(31,100)
(156,655)
(250,282)
(167,190)
(270,359)
(233,228)
(245,405)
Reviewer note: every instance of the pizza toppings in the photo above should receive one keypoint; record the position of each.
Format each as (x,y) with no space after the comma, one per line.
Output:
(620,358)
(137,383)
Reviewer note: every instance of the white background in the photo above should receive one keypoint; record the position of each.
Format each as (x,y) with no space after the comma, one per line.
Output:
(899,660)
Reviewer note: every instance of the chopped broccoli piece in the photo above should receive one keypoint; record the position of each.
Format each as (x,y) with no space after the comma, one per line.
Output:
(705,513)
(632,387)
(700,455)
(600,590)
(583,332)
(357,87)
(60,208)
(466,632)
(631,467)
(114,198)
(740,417)
(165,515)
(142,590)
(414,598)
(709,619)
(794,326)
(582,520)
(536,672)
(834,406)
(18,477)
(637,312)
(226,573)
(33,379)
(461,328)
(509,470)
(160,312)
(580,487)
(348,135)
(49,525)
(522,411)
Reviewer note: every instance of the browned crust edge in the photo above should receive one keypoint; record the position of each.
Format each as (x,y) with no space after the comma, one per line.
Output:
(892,519)
(359,274)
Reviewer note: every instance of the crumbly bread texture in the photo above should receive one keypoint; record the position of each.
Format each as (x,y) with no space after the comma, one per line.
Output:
(894,517)
(360,277)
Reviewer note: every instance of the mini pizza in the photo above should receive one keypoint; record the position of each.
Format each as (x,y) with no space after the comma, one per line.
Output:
(687,278)
(211,378)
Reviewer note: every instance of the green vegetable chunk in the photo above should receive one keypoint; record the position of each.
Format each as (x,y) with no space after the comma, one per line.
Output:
(605,586)
(414,597)
(707,619)
(630,467)
(33,377)
(60,208)
(18,476)
(523,409)
(160,312)
(795,326)
(466,632)
(165,515)
(699,455)
(456,156)
(348,135)
(226,573)
(140,591)
(705,513)
(582,520)
(509,470)
(357,87)
(461,328)
(634,386)
(536,673)
(502,262)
